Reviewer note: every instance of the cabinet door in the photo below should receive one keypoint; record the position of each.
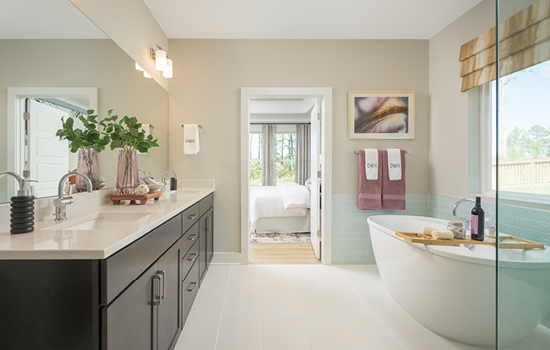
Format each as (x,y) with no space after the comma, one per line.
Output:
(128,321)
(209,237)
(169,318)
(202,241)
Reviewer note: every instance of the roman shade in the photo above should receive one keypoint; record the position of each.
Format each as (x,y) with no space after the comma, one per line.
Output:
(524,41)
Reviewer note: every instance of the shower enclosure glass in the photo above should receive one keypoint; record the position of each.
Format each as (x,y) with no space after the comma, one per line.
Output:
(521,172)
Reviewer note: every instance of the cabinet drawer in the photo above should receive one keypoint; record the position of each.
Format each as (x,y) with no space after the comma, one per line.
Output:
(190,287)
(189,259)
(119,270)
(190,237)
(190,216)
(206,203)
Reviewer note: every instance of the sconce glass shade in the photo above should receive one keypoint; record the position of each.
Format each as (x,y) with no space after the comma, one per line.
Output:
(138,67)
(146,75)
(160,60)
(167,72)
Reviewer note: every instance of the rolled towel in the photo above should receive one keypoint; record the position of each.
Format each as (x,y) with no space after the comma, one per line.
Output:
(442,234)
(142,189)
(428,230)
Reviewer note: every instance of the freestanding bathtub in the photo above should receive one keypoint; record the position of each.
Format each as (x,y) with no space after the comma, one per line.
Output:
(452,290)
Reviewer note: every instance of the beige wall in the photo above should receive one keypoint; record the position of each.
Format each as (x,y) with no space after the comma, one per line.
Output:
(448,106)
(87,63)
(130,24)
(206,90)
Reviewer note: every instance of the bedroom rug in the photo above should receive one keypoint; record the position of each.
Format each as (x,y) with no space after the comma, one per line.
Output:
(280,238)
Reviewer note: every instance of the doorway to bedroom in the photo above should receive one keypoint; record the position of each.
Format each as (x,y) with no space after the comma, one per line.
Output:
(284,173)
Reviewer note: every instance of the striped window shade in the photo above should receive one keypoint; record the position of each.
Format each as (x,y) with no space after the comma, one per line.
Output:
(524,42)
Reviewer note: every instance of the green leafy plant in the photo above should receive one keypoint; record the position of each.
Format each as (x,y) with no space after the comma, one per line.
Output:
(89,138)
(127,134)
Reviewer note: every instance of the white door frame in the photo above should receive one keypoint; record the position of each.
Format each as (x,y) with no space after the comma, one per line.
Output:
(16,95)
(325,94)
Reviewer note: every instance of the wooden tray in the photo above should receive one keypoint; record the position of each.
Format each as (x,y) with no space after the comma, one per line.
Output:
(142,198)
(518,243)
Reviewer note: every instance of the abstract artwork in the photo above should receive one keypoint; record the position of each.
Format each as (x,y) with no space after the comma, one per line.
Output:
(381,115)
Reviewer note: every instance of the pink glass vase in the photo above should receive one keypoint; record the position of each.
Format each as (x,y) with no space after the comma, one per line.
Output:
(88,164)
(127,176)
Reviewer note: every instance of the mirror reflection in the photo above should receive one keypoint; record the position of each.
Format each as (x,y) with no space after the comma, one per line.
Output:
(61,69)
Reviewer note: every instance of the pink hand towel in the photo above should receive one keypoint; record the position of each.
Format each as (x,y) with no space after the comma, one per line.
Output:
(370,191)
(393,192)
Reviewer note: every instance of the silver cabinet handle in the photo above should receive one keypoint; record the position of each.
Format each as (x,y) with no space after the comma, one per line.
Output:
(193,237)
(162,273)
(194,284)
(207,224)
(192,216)
(193,256)
(157,297)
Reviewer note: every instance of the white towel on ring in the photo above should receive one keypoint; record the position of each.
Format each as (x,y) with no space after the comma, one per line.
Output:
(371,163)
(394,164)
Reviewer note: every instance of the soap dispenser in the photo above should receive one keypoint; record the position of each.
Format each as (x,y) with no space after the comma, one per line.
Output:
(22,207)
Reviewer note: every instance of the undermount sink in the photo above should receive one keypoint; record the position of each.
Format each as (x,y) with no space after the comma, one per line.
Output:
(98,221)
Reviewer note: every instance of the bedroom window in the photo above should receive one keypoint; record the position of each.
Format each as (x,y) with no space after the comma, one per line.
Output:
(524,135)
(285,157)
(255,162)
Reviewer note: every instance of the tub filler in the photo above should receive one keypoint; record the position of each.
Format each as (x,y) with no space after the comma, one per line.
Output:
(452,290)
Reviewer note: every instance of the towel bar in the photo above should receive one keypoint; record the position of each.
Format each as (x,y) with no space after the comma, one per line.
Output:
(357,152)
(183,126)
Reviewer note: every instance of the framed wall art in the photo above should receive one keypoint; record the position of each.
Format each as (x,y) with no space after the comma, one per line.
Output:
(381,115)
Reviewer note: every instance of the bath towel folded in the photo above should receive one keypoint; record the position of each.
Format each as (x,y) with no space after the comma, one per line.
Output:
(393,191)
(371,163)
(442,234)
(191,139)
(369,195)
(394,164)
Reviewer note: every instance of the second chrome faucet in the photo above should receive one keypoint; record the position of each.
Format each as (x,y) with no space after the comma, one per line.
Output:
(62,200)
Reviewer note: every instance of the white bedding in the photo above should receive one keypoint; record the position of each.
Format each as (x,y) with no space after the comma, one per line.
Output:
(283,200)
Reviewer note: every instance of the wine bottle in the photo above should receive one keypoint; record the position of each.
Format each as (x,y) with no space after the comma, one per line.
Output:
(478,221)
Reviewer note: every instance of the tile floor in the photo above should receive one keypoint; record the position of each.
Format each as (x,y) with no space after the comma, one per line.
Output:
(309,307)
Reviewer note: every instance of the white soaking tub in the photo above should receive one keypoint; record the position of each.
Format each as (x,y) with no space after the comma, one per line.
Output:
(452,290)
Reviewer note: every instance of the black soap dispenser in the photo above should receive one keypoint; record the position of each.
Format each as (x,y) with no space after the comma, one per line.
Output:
(22,207)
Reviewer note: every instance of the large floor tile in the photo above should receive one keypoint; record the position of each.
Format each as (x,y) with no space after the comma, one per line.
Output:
(280,333)
(298,273)
(240,333)
(411,335)
(345,301)
(368,333)
(217,275)
(242,300)
(209,301)
(354,274)
(379,300)
(326,274)
(276,300)
(244,274)
(326,333)
(372,270)
(272,274)
(310,300)
(199,334)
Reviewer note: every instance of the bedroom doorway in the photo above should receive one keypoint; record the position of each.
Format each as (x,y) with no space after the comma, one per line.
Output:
(285,170)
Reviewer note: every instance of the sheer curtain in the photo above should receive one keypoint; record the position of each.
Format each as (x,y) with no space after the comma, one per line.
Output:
(303,153)
(268,155)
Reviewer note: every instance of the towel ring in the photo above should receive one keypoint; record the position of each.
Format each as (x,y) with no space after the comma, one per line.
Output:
(183,126)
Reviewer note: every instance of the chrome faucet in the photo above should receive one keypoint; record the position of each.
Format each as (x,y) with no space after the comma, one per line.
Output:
(164,179)
(21,181)
(466,221)
(62,201)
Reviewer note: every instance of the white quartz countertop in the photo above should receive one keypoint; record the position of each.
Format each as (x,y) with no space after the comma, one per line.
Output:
(82,236)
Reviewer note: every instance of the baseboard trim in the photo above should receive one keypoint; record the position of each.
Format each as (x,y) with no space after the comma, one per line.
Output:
(226,259)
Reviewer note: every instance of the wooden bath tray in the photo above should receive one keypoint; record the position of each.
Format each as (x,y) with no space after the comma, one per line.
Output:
(142,198)
(518,243)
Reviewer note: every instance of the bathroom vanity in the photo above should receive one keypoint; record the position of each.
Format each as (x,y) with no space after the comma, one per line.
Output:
(116,277)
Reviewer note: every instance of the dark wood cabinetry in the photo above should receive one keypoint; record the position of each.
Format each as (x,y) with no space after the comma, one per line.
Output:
(138,298)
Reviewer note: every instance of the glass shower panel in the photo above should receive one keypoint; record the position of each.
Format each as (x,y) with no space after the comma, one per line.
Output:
(521,173)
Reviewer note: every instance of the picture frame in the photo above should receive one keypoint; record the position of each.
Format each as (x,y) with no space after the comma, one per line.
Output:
(381,115)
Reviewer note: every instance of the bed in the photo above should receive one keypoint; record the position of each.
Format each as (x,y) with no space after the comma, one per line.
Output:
(279,209)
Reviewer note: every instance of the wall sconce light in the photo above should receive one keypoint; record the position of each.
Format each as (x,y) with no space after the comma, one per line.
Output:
(162,62)
(146,75)
(138,67)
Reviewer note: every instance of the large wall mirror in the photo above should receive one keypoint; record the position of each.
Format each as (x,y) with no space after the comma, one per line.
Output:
(54,63)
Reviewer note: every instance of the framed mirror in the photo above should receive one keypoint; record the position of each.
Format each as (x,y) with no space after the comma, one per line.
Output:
(55,63)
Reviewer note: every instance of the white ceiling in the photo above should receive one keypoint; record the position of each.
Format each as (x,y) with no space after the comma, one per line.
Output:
(306,19)
(40,19)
